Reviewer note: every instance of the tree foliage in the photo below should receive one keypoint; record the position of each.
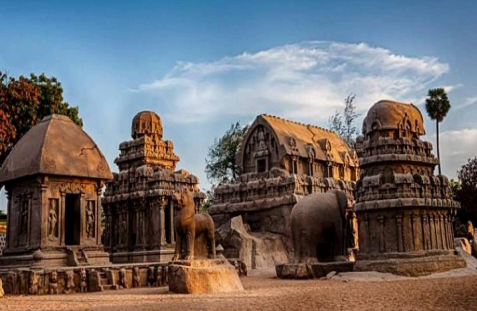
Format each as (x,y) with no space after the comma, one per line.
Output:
(437,107)
(343,123)
(467,194)
(221,166)
(24,102)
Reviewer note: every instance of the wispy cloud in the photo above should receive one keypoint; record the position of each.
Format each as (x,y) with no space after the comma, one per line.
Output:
(467,102)
(305,81)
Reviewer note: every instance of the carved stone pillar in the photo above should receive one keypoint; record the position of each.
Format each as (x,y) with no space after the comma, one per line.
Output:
(97,218)
(450,234)
(173,239)
(61,218)
(382,247)
(162,227)
(416,233)
(425,232)
(9,240)
(45,209)
(399,233)
(82,238)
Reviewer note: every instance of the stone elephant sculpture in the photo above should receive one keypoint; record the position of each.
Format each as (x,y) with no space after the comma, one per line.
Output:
(318,225)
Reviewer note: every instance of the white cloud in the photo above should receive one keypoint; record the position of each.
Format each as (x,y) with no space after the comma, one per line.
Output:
(467,102)
(305,81)
(457,146)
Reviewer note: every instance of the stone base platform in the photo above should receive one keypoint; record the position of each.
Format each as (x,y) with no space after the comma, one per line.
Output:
(203,276)
(163,255)
(418,266)
(91,278)
(54,257)
(313,270)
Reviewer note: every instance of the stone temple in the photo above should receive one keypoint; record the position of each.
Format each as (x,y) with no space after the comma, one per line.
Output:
(137,203)
(53,178)
(404,211)
(281,161)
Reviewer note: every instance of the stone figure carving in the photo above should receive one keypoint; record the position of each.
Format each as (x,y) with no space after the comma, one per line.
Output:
(90,219)
(122,278)
(150,276)
(158,273)
(52,220)
(354,230)
(24,218)
(1,288)
(69,281)
(188,225)
(318,225)
(136,280)
(261,140)
(53,286)
(83,283)
(33,283)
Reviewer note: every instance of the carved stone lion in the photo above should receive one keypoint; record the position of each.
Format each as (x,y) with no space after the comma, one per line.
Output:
(188,226)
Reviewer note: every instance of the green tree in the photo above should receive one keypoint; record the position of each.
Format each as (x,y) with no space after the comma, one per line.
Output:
(467,193)
(455,187)
(437,107)
(24,102)
(343,123)
(208,201)
(221,166)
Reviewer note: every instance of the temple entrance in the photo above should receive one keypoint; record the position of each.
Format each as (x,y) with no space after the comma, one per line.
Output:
(72,219)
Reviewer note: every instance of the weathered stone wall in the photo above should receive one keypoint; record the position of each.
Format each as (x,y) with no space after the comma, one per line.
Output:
(265,201)
(71,280)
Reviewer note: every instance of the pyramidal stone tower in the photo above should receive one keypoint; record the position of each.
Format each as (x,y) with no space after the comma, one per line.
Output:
(404,211)
(138,205)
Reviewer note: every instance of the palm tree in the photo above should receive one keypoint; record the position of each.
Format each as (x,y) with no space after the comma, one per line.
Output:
(437,107)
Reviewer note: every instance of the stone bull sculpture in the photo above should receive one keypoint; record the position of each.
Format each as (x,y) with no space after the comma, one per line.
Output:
(318,225)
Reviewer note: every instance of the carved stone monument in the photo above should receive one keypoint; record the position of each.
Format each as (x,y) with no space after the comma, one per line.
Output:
(404,211)
(319,229)
(138,202)
(53,178)
(281,161)
(190,272)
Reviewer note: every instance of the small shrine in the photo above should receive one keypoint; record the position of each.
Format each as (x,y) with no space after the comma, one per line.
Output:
(404,211)
(53,178)
(138,202)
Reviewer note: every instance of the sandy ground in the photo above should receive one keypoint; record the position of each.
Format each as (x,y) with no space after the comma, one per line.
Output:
(349,291)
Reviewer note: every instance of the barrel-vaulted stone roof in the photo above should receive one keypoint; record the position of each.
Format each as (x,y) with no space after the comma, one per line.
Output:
(296,138)
(55,146)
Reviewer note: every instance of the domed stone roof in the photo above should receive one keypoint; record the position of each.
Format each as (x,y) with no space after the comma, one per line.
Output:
(55,146)
(146,122)
(388,115)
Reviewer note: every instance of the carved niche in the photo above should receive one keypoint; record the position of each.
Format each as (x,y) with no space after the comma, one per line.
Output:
(90,218)
(53,219)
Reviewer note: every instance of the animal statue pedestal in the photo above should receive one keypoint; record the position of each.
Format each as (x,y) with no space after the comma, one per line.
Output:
(194,268)
(313,270)
(203,276)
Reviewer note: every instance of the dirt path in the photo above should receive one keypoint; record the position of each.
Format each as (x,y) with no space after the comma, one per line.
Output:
(264,292)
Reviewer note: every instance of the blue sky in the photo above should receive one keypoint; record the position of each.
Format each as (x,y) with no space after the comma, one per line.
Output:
(204,64)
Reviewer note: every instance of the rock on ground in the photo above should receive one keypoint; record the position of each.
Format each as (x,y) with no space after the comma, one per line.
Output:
(203,277)
(256,250)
